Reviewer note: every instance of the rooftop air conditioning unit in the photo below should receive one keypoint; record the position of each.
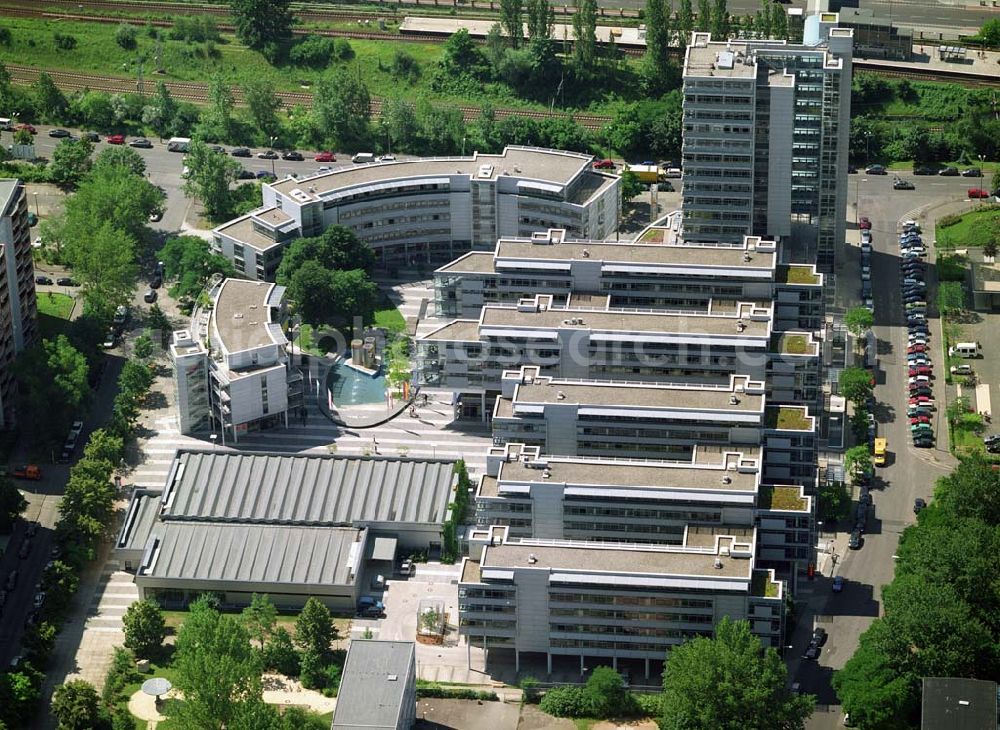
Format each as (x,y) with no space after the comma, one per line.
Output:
(727,480)
(718,563)
(532,558)
(560,395)
(586,254)
(546,474)
(733,400)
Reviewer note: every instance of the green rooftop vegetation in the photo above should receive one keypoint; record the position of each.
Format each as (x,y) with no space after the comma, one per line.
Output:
(653,235)
(788,418)
(798,275)
(762,585)
(792,344)
(781,498)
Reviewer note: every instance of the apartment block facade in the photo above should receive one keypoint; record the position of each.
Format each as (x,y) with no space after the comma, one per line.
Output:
(766,132)
(231,369)
(429,210)
(18,305)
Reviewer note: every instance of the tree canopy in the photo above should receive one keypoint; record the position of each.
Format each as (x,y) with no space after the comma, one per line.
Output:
(53,388)
(145,628)
(76,706)
(190,262)
(728,682)
(336,248)
(858,320)
(263,25)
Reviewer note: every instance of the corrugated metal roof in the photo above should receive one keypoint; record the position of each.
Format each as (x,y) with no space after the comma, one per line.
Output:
(257,554)
(373,684)
(307,489)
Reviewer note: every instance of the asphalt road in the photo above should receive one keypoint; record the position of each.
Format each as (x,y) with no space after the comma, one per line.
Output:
(910,472)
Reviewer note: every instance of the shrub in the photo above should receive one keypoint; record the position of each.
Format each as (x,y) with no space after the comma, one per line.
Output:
(650,705)
(949,220)
(125,36)
(562,702)
(404,66)
(4,36)
(121,672)
(951,268)
(64,42)
(313,50)
(436,691)
(342,50)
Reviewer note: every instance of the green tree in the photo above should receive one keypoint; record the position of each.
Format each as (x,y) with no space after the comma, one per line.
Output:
(585,38)
(216,669)
(957,408)
(263,105)
(704,18)
(19,694)
(60,582)
(989,32)
(70,161)
(990,249)
(162,110)
(105,264)
(855,384)
(342,108)
(834,501)
(126,36)
(104,446)
(93,109)
(76,706)
(630,187)
(858,320)
(658,35)
(336,248)
(685,22)
(605,694)
(120,160)
(720,20)
(12,504)
(260,618)
(143,346)
(512,20)
(145,628)
(779,22)
(857,461)
(190,262)
(872,692)
(971,490)
(209,179)
(996,172)
(112,194)
(53,388)
(314,629)
(135,380)
(262,24)
(541,18)
(216,123)
(762,23)
(729,682)
(279,653)
(49,100)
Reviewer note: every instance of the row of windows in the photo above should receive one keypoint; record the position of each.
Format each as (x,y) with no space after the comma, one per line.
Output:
(399,205)
(676,618)
(633,630)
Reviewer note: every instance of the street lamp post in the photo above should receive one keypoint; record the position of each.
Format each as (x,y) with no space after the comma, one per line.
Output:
(35,193)
(273,140)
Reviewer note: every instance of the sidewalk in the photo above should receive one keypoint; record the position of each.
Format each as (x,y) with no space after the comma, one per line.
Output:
(926,58)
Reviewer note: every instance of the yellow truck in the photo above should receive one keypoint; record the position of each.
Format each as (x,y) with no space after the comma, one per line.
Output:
(647,174)
(881,447)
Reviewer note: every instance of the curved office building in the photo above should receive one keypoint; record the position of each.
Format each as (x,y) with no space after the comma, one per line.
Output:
(428,210)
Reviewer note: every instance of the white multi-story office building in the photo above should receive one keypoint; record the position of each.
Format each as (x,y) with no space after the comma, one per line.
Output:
(231,369)
(18,308)
(657,271)
(611,601)
(766,131)
(428,210)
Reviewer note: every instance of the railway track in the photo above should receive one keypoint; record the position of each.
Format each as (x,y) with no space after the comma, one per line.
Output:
(974,81)
(197,93)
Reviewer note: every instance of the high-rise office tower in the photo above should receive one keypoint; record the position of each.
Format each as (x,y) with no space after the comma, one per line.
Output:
(17,290)
(766,131)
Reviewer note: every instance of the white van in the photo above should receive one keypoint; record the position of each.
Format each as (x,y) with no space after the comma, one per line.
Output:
(6,124)
(179,144)
(363,157)
(966,349)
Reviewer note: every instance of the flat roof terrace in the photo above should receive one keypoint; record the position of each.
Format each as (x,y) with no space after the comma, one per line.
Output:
(697,398)
(554,166)
(691,326)
(243,230)
(241,316)
(589,557)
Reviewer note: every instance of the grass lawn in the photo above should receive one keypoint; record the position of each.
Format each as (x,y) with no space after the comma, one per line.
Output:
(174,619)
(54,311)
(974,230)
(968,443)
(388,317)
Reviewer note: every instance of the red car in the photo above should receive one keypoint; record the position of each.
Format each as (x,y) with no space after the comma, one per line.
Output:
(27,127)
(604,165)
(916,348)
(921,370)
(978,193)
(921,400)
(864,224)
(116,139)
(919,419)
(325,157)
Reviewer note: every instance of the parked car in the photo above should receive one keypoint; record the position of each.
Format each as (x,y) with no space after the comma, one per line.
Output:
(406,567)
(110,339)
(923,170)
(921,371)
(142,143)
(156,216)
(972,172)
(38,600)
(25,550)
(812,652)
(156,282)
(292,155)
(43,280)
(914,420)
(864,223)
(385,158)
(876,170)
(217,148)
(370,606)
(325,157)
(241,152)
(961,370)
(855,541)
(267,155)
(916,347)
(900,184)
(59,133)
(923,442)
(245,174)
(948,172)
(116,139)
(11,582)
(978,193)
(265,175)
(150,296)
(66,281)
(918,504)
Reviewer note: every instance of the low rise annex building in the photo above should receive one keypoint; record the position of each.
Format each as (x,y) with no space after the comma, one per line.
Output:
(378,686)
(231,368)
(290,526)
(427,210)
